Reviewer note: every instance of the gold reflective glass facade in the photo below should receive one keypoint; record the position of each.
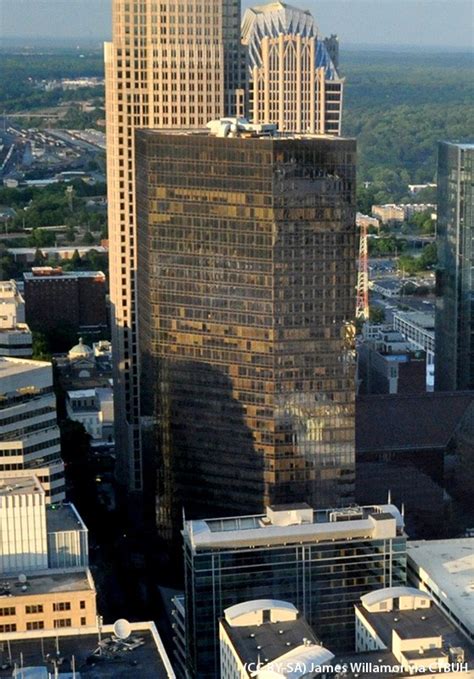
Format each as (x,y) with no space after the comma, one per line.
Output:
(246,284)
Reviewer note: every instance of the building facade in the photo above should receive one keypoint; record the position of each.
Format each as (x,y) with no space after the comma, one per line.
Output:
(29,433)
(294,83)
(46,582)
(55,297)
(454,356)
(169,65)
(15,336)
(246,286)
(322,562)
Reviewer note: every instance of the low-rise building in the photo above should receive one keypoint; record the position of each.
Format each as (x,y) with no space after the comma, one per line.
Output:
(387,365)
(445,570)
(122,651)
(418,327)
(406,622)
(29,433)
(94,409)
(388,213)
(367,221)
(47,600)
(264,638)
(28,255)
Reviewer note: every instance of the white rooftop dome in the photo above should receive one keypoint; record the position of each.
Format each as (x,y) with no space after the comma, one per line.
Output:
(80,350)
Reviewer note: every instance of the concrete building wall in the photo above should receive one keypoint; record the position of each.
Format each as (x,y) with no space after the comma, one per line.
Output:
(23,545)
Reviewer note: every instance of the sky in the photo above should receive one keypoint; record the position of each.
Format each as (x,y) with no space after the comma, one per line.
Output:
(423,23)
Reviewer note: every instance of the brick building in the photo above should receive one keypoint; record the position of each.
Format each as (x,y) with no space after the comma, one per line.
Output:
(54,297)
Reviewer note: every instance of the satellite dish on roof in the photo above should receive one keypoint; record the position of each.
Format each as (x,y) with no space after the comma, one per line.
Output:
(122,629)
(22,579)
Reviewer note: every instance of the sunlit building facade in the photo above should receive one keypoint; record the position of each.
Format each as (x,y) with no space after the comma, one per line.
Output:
(293,80)
(247,251)
(169,65)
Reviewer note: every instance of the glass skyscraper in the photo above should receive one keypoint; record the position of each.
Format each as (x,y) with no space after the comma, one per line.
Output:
(454,334)
(322,562)
(246,273)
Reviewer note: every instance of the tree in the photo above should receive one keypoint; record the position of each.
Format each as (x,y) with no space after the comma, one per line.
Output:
(429,256)
(41,350)
(88,238)
(376,314)
(39,259)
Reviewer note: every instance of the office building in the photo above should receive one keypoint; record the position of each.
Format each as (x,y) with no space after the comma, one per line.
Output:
(29,433)
(322,562)
(293,81)
(169,65)
(246,290)
(55,298)
(454,356)
(264,638)
(46,583)
(35,535)
(444,569)
(418,327)
(386,364)
(407,623)
(15,335)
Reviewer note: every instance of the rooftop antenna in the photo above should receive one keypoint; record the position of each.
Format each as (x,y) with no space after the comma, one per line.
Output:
(402,512)
(100,620)
(389,497)
(73,666)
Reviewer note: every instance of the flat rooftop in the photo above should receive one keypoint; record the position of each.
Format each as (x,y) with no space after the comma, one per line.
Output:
(63,517)
(243,135)
(33,276)
(407,422)
(19,485)
(143,662)
(423,319)
(293,523)
(422,623)
(270,640)
(450,565)
(48,582)
(10,366)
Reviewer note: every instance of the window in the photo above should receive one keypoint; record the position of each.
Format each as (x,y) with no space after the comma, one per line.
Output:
(83,621)
(8,628)
(62,606)
(34,608)
(36,624)
(82,604)
(7,611)
(66,622)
